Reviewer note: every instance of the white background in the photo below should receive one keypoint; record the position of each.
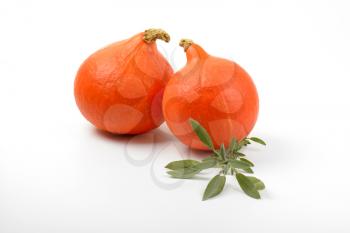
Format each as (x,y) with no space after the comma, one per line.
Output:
(59,174)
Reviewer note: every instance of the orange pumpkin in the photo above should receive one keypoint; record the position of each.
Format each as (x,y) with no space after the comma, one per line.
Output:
(119,88)
(216,92)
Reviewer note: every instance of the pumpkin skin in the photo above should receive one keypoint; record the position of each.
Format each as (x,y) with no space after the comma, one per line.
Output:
(119,88)
(216,92)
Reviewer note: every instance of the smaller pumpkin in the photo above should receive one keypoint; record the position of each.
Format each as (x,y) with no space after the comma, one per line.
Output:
(119,88)
(216,92)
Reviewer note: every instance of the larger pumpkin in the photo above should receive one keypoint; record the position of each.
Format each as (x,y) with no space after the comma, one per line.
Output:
(119,88)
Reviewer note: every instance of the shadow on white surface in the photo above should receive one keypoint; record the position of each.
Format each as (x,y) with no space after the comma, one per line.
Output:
(158,136)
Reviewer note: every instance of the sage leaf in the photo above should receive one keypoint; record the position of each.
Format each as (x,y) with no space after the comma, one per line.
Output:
(205,164)
(239,154)
(234,146)
(185,173)
(214,187)
(258,140)
(239,164)
(222,151)
(259,185)
(181,164)
(201,133)
(248,170)
(211,157)
(217,153)
(244,142)
(247,161)
(247,185)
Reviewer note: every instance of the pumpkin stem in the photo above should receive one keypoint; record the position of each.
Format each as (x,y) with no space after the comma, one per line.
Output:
(185,43)
(153,34)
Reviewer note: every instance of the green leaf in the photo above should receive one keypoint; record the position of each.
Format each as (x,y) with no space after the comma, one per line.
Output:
(214,187)
(248,170)
(181,164)
(244,142)
(258,140)
(259,185)
(239,154)
(201,133)
(183,173)
(222,151)
(234,146)
(239,164)
(217,153)
(206,164)
(247,186)
(247,161)
(211,157)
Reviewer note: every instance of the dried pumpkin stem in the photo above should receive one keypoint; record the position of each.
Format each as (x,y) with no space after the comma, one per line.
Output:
(185,43)
(153,34)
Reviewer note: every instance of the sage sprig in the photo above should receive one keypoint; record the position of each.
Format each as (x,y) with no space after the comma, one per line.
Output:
(230,161)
